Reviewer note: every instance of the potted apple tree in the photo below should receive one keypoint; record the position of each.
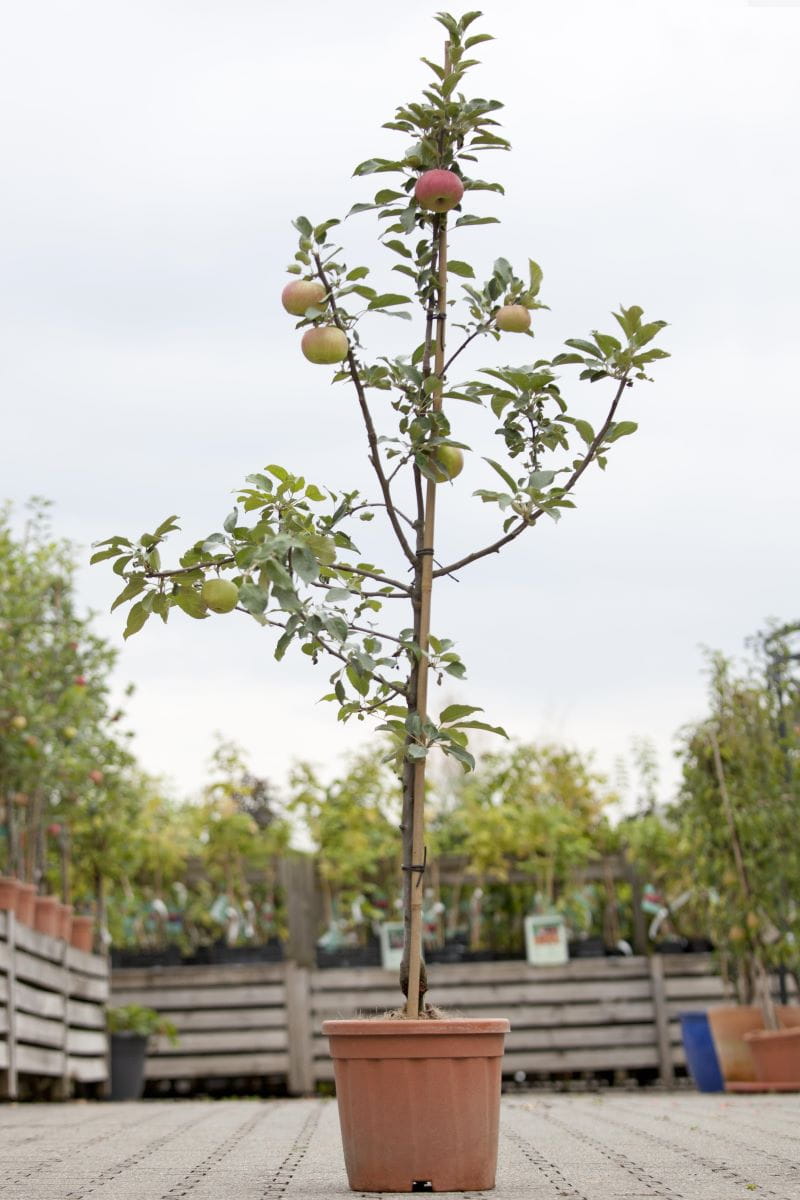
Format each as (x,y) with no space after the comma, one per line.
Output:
(287,557)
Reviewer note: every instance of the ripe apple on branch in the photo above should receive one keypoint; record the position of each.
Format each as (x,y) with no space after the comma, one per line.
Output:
(288,553)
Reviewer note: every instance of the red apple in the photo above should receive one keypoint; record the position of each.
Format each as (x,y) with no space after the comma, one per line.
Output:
(96,776)
(80,681)
(220,595)
(447,461)
(513,318)
(438,190)
(324,344)
(301,294)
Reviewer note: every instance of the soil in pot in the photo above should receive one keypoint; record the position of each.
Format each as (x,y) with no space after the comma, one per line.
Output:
(128,1057)
(419,1102)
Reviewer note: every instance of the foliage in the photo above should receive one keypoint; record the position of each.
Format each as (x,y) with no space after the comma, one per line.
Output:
(738,821)
(290,547)
(140,1021)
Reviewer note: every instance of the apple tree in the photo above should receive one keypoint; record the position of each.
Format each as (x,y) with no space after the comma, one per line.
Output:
(287,556)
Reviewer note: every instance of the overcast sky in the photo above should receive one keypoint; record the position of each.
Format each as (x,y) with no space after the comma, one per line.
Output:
(153,155)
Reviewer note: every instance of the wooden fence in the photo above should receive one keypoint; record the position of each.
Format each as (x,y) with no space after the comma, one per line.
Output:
(52,1018)
(590,1015)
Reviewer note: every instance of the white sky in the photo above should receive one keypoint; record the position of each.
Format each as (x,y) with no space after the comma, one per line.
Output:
(153,155)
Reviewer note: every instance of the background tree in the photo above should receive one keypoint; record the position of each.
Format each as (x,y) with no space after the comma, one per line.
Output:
(297,568)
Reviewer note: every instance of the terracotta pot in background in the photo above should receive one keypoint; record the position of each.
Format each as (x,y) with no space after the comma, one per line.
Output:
(419,1102)
(776,1055)
(82,932)
(64,921)
(46,915)
(9,890)
(26,897)
(730,1023)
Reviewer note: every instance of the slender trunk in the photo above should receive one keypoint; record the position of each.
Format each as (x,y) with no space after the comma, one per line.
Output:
(64,846)
(451,926)
(100,901)
(14,865)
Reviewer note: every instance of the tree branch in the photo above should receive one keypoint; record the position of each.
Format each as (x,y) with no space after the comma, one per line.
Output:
(481,329)
(367,416)
(526,522)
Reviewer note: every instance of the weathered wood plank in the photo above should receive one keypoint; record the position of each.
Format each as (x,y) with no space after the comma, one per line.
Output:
(39,1031)
(3,1056)
(501,996)
(269,995)
(3,989)
(216,1066)
(39,1002)
(5,955)
(38,971)
(40,945)
(665,1068)
(226,1041)
(83,987)
(686,987)
(87,1070)
(188,1021)
(224,975)
(34,1060)
(10,1066)
(298,1007)
(452,974)
(82,963)
(86,1042)
(85,1015)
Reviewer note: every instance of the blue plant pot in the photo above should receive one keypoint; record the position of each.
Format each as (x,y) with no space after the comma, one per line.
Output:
(701,1056)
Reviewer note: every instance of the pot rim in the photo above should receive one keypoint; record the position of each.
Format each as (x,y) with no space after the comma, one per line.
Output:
(389,1027)
(766,1035)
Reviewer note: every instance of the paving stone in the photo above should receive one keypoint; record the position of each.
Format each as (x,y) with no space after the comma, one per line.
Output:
(618,1146)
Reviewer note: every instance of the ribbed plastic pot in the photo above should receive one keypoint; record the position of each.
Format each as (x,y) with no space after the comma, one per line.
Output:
(26,897)
(701,1057)
(776,1054)
(128,1057)
(46,917)
(81,933)
(419,1102)
(9,890)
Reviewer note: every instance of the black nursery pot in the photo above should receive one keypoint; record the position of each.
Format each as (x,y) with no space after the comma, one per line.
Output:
(128,1056)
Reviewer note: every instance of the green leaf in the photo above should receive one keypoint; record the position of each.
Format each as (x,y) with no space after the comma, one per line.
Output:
(136,619)
(358,680)
(190,602)
(476,39)
(498,729)
(313,492)
(535,276)
(229,524)
(541,479)
(453,750)
(359,208)
(336,627)
(388,299)
(278,574)
(454,712)
(305,564)
(469,219)
(582,344)
(460,268)
(415,752)
(504,475)
(585,430)
(103,554)
(622,429)
(134,586)
(166,526)
(357,273)
(399,248)
(304,226)
(252,597)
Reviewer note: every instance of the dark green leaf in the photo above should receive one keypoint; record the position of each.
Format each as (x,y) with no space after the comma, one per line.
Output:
(460,268)
(136,619)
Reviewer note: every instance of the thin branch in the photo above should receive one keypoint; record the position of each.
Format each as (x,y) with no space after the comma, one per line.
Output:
(481,329)
(367,416)
(395,583)
(526,522)
(357,593)
(221,562)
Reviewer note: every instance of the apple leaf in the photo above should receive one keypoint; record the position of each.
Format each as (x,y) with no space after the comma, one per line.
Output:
(132,588)
(469,219)
(137,616)
(622,429)
(504,475)
(252,597)
(388,299)
(460,268)
(454,712)
(190,602)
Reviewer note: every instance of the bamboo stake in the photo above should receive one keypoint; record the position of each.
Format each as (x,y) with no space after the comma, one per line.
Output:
(418,806)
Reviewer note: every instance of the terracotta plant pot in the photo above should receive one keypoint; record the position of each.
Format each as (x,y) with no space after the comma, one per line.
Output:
(419,1102)
(64,921)
(729,1023)
(46,915)
(776,1055)
(9,890)
(82,932)
(26,898)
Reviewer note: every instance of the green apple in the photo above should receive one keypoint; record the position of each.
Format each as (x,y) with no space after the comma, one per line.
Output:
(301,294)
(19,722)
(220,595)
(513,318)
(324,344)
(447,461)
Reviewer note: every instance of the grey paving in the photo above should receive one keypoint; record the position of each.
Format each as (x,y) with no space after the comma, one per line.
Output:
(611,1146)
